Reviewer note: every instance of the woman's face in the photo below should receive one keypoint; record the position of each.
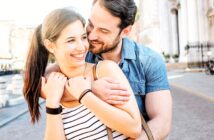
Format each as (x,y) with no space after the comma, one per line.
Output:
(72,45)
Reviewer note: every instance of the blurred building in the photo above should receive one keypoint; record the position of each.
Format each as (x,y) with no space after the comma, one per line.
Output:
(179,28)
(18,22)
(14,42)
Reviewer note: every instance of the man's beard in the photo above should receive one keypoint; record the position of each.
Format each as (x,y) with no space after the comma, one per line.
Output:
(104,49)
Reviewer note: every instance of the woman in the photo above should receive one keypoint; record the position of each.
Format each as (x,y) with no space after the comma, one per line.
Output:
(62,34)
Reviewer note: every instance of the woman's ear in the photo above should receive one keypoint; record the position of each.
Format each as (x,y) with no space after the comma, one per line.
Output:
(49,45)
(126,31)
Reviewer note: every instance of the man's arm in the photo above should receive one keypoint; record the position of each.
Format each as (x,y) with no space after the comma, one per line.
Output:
(159,108)
(52,68)
(111,91)
(158,100)
(108,89)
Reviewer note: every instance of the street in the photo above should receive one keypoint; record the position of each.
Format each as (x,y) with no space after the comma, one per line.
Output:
(192,117)
(192,120)
(23,129)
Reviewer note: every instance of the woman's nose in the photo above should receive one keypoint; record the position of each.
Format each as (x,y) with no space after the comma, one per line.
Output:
(81,46)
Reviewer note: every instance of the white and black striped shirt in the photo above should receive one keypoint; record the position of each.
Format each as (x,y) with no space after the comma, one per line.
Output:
(81,124)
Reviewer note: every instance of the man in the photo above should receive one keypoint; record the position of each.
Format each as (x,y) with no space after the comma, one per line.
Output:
(110,22)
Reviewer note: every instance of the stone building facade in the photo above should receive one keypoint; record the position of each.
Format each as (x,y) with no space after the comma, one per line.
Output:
(14,42)
(183,28)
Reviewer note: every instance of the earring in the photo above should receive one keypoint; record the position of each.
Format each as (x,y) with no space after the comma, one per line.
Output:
(51,51)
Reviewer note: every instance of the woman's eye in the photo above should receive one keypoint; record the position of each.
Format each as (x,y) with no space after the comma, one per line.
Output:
(84,37)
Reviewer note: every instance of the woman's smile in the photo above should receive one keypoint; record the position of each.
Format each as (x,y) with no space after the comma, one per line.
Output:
(79,56)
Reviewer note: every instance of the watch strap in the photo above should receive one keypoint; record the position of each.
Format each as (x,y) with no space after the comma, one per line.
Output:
(54,111)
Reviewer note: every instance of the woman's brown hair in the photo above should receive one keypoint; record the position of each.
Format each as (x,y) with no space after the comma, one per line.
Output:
(37,58)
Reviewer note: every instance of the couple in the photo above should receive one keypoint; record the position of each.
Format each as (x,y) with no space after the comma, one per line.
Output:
(104,102)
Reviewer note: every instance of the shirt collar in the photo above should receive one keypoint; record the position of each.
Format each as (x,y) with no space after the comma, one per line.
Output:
(128,49)
(98,58)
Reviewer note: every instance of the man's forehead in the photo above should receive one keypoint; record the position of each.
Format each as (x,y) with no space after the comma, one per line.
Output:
(103,23)
(100,25)
(101,16)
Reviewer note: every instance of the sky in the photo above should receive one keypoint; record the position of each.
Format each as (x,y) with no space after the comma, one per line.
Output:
(27,12)
(33,11)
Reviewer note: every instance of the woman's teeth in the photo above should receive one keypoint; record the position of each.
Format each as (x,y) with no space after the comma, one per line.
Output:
(78,56)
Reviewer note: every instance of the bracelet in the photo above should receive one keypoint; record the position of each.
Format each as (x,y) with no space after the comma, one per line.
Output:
(54,111)
(83,94)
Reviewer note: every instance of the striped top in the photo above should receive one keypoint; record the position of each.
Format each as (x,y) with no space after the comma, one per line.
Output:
(81,124)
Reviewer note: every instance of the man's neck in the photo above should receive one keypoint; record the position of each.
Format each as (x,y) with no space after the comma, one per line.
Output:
(114,55)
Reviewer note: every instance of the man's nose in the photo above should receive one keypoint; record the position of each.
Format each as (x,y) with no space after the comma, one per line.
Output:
(92,34)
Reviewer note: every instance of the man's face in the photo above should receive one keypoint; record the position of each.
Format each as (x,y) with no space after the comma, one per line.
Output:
(103,30)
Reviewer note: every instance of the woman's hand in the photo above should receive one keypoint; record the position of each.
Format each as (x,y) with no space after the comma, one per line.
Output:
(53,88)
(77,85)
(67,97)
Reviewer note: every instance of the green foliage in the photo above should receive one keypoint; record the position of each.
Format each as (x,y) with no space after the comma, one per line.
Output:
(137,17)
(166,56)
(175,56)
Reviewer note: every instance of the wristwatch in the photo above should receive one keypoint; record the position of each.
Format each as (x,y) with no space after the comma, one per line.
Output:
(54,111)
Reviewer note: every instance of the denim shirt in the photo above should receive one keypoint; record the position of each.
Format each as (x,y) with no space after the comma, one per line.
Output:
(144,68)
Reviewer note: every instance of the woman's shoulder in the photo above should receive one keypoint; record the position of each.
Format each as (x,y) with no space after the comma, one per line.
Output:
(107,68)
(106,64)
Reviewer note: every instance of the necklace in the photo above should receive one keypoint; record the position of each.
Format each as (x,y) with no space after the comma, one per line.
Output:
(84,71)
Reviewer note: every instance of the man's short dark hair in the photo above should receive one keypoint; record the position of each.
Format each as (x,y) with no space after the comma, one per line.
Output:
(124,9)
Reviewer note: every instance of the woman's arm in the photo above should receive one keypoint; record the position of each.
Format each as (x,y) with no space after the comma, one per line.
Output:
(53,89)
(123,118)
(54,127)
(112,86)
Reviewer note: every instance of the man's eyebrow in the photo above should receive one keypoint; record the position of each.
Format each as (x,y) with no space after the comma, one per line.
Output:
(90,22)
(100,28)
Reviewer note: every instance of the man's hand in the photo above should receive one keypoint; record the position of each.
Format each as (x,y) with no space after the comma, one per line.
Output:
(110,91)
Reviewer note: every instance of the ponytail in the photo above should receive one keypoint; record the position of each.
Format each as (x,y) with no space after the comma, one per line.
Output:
(36,63)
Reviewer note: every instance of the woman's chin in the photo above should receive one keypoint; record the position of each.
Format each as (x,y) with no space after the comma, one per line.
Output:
(70,102)
(70,99)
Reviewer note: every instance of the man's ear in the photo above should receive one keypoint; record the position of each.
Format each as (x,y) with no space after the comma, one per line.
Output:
(49,45)
(126,31)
